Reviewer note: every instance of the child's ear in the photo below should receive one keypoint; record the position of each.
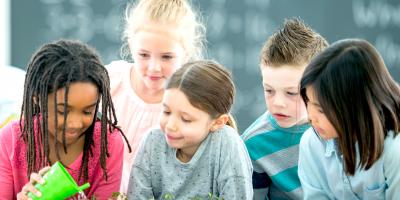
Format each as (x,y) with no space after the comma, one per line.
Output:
(219,122)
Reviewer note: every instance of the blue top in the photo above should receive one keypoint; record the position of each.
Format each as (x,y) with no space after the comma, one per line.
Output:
(322,175)
(274,154)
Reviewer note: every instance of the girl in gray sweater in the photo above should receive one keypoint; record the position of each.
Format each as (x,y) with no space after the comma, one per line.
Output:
(196,153)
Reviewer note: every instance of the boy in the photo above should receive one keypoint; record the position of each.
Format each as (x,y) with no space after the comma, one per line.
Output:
(273,139)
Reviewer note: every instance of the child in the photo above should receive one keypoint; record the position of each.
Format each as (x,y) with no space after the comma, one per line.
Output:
(64,84)
(161,36)
(354,107)
(272,140)
(194,155)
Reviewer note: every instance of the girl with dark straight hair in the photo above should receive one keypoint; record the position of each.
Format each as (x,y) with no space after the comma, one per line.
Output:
(354,107)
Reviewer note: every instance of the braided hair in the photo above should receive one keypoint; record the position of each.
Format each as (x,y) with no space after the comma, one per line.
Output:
(55,66)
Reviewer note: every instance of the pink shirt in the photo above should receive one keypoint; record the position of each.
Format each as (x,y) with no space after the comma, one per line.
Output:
(134,115)
(13,164)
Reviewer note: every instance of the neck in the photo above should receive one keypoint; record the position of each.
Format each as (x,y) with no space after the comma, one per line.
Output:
(183,156)
(73,151)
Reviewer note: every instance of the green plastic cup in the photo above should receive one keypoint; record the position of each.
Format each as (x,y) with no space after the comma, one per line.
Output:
(58,184)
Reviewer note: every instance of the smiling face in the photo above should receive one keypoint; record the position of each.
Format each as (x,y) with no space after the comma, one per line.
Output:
(184,125)
(317,117)
(81,109)
(157,51)
(281,90)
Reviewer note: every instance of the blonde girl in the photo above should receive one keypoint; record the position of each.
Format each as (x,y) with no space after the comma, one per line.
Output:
(160,36)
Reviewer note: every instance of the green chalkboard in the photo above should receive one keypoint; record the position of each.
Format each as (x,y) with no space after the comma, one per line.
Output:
(236,30)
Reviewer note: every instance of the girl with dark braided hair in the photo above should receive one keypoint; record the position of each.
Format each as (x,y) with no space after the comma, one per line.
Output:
(66,85)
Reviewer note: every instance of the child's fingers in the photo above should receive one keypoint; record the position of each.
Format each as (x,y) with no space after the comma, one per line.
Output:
(44,170)
(36,178)
(33,189)
(23,195)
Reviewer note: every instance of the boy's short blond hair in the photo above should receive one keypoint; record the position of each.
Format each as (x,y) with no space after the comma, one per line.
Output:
(294,44)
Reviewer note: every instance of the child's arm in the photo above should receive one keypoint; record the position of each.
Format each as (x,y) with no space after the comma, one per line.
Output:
(139,186)
(261,183)
(391,163)
(6,180)
(308,167)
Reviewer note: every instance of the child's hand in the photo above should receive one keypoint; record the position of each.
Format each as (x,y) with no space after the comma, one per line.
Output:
(29,187)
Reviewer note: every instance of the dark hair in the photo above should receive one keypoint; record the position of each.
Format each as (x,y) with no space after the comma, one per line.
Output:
(358,96)
(207,85)
(295,44)
(54,66)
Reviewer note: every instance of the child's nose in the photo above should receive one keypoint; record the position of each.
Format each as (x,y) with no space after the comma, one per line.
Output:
(155,64)
(279,100)
(74,122)
(171,125)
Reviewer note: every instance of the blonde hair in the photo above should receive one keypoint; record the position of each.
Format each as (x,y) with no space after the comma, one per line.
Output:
(177,13)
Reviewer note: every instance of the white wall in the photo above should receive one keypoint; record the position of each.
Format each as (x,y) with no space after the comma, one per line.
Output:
(5,40)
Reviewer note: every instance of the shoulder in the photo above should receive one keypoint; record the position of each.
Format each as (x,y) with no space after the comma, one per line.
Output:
(259,126)
(309,138)
(228,140)
(231,152)
(10,132)
(153,141)
(114,137)
(10,139)
(227,134)
(154,137)
(153,147)
(391,146)
(313,147)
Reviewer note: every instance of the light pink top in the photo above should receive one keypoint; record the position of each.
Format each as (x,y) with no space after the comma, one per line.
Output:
(134,115)
(13,164)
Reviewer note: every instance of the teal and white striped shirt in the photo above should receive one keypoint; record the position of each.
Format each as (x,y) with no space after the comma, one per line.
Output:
(274,152)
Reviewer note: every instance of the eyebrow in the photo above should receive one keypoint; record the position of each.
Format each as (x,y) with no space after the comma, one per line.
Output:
(89,106)
(164,53)
(184,113)
(294,87)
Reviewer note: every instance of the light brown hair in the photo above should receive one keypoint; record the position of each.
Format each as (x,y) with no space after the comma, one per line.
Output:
(294,44)
(208,86)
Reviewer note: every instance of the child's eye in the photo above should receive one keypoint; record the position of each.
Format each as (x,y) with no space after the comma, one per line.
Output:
(269,92)
(166,112)
(87,112)
(292,93)
(144,55)
(186,120)
(167,57)
(61,112)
